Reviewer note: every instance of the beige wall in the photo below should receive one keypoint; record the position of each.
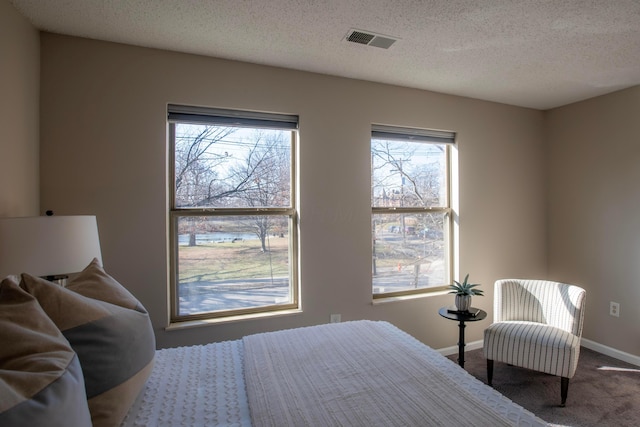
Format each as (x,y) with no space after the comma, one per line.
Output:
(104,152)
(594,210)
(19,112)
(104,138)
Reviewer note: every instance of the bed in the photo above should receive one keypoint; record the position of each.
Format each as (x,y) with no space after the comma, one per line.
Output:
(85,355)
(353,373)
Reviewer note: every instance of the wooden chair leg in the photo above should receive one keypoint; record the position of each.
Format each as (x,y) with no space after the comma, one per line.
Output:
(564,388)
(489,371)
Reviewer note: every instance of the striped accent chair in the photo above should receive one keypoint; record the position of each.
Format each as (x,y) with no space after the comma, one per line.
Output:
(537,325)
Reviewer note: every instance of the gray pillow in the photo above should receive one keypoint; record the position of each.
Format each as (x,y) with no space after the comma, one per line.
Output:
(41,381)
(115,345)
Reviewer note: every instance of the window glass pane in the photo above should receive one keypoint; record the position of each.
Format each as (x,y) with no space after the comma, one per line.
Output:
(408,174)
(409,252)
(232,262)
(222,167)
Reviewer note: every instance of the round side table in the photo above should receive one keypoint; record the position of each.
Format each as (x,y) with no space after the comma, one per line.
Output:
(462,317)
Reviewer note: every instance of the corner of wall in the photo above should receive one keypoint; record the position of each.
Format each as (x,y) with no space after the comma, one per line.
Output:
(20,112)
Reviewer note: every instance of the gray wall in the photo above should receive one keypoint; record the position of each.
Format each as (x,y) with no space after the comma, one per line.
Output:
(104,136)
(558,185)
(594,210)
(19,114)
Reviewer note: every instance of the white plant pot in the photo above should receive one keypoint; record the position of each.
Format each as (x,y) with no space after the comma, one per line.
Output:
(463,302)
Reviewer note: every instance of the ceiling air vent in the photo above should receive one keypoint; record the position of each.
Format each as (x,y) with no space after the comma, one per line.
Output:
(370,39)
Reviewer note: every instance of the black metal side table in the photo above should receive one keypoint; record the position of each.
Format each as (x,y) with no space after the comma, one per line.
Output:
(462,317)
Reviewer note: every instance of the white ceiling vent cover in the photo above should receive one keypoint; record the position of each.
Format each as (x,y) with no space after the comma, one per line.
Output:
(370,39)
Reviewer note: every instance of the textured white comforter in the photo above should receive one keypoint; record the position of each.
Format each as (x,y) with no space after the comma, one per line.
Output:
(200,385)
(205,385)
(362,373)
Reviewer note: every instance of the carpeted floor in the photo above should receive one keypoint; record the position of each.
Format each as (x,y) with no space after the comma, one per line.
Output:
(604,391)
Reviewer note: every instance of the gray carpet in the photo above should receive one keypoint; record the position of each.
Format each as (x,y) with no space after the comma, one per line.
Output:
(603,392)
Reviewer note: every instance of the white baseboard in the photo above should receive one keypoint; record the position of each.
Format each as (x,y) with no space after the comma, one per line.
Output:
(591,345)
(447,351)
(611,352)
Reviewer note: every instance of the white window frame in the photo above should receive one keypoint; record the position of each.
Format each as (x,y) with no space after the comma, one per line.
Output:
(249,119)
(447,139)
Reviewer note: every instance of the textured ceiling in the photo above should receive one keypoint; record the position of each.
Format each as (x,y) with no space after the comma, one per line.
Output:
(532,53)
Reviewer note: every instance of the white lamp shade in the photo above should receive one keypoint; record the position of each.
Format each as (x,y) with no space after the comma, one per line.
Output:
(48,245)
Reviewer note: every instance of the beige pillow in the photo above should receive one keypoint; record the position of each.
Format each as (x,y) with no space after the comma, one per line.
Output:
(41,381)
(115,345)
(94,282)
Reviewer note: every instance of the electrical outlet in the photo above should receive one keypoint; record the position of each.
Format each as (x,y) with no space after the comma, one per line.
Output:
(335,318)
(614,309)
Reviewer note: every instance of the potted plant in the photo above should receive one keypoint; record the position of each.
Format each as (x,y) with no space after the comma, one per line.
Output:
(464,291)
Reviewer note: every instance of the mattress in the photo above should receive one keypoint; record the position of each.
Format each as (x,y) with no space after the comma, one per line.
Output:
(205,385)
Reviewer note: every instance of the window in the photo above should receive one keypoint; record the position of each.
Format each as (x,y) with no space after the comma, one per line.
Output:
(233,222)
(411,210)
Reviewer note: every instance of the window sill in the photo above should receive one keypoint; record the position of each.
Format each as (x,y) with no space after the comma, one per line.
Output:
(383,300)
(176,326)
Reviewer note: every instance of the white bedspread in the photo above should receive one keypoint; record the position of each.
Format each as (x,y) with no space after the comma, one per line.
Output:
(205,386)
(193,387)
(364,374)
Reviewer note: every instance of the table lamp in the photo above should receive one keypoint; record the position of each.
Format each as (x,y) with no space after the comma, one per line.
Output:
(48,246)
